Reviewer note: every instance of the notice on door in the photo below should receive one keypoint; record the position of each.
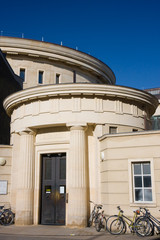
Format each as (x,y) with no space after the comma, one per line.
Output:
(3,187)
(61,190)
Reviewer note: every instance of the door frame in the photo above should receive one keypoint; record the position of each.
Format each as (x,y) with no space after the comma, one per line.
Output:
(41,179)
(37,181)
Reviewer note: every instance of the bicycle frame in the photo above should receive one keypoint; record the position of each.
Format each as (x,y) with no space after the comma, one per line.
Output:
(154,220)
(131,222)
(127,220)
(95,211)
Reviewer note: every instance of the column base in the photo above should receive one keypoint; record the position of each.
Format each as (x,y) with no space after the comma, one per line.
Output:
(24,207)
(24,218)
(77,207)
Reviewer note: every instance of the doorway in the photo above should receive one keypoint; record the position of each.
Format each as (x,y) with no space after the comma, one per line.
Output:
(53,189)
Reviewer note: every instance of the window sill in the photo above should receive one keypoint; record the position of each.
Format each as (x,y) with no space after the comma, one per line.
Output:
(144,204)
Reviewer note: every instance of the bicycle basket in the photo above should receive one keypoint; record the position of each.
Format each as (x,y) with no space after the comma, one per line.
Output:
(137,212)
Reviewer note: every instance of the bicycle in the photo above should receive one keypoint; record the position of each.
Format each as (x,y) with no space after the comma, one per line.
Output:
(119,224)
(154,222)
(94,214)
(100,222)
(6,216)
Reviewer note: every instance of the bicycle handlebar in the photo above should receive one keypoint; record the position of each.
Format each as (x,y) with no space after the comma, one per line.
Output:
(97,205)
(119,208)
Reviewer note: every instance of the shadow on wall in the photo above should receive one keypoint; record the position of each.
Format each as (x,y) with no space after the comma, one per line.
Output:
(9,83)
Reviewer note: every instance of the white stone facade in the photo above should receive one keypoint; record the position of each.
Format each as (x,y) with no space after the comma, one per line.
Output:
(70,117)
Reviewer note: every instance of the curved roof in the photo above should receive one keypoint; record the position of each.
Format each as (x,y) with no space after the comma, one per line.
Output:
(39,49)
(48,91)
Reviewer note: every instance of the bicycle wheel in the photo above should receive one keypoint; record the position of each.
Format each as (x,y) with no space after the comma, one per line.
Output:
(104,223)
(109,220)
(7,217)
(98,226)
(117,226)
(90,221)
(100,222)
(151,232)
(142,227)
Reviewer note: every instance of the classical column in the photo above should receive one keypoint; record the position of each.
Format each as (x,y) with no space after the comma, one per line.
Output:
(77,178)
(24,196)
(15,138)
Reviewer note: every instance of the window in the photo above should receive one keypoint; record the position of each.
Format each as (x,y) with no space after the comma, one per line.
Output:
(57,78)
(40,77)
(22,74)
(112,130)
(74,76)
(155,122)
(142,184)
(134,130)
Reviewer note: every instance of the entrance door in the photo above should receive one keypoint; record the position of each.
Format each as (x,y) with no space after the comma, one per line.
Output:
(53,189)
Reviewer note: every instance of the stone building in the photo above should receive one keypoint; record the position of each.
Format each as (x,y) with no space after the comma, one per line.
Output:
(75,137)
(155,119)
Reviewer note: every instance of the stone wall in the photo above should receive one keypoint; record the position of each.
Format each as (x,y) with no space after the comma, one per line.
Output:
(118,152)
(5,173)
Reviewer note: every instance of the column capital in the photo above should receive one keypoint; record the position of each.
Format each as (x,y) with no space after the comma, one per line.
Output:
(27,132)
(77,126)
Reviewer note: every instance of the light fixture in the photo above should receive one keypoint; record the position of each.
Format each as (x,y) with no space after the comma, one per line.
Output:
(102,156)
(2,161)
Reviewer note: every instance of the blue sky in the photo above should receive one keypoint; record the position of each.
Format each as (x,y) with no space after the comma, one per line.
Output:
(124,34)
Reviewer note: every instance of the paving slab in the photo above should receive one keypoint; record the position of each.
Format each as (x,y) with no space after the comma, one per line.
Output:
(48,232)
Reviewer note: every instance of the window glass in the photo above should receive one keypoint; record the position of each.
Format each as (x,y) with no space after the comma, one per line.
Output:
(138,195)
(22,74)
(74,76)
(40,77)
(137,169)
(155,122)
(138,181)
(146,168)
(57,78)
(147,195)
(147,181)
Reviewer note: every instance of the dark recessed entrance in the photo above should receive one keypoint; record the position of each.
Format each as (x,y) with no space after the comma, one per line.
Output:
(53,190)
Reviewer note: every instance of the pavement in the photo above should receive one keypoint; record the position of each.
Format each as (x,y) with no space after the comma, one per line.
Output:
(60,232)
(47,230)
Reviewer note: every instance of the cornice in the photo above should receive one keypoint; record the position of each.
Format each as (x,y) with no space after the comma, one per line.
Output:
(95,90)
(38,49)
(148,132)
(5,146)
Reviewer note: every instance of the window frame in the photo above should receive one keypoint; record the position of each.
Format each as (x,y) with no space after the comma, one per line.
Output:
(113,127)
(74,76)
(59,78)
(40,70)
(141,175)
(134,130)
(131,182)
(25,73)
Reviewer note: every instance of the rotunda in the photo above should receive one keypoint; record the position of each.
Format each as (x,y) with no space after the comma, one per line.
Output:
(69,100)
